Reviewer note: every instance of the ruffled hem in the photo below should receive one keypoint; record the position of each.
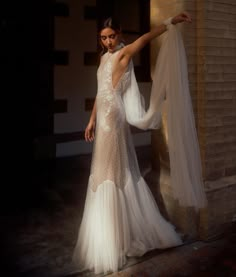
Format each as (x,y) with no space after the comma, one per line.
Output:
(119,223)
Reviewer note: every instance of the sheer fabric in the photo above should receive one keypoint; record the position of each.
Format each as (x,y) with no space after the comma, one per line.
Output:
(121,217)
(170,82)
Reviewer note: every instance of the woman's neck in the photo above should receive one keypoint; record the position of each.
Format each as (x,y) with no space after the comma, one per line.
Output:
(118,47)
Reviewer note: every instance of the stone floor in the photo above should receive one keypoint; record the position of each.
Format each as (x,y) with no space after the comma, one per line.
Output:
(38,237)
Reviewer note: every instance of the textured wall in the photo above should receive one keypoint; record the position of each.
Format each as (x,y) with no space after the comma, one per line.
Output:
(210,43)
(217,124)
(74,82)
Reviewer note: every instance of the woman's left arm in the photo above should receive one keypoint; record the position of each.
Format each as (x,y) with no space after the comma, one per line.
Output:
(133,48)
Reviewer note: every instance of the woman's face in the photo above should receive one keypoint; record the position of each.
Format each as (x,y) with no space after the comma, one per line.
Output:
(109,39)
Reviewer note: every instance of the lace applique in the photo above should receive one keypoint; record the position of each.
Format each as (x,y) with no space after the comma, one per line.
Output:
(107,94)
(107,78)
(108,102)
(93,187)
(124,82)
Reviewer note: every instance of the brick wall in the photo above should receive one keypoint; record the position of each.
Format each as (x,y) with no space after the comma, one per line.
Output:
(210,43)
(219,103)
(219,48)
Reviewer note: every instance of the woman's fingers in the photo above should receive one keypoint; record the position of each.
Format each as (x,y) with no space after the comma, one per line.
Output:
(89,135)
(86,135)
(186,17)
(182,17)
(92,136)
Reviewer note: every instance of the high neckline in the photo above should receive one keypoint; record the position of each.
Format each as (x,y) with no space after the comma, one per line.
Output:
(118,47)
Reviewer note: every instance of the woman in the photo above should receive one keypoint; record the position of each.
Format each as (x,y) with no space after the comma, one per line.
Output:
(120,217)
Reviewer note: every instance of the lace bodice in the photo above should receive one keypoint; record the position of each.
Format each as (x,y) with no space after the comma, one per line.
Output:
(104,75)
(109,103)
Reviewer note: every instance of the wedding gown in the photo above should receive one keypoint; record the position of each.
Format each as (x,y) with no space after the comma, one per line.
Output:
(121,217)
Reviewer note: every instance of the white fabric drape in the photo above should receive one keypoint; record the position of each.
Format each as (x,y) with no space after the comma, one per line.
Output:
(170,84)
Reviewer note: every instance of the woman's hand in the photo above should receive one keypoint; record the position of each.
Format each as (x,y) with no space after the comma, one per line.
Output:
(90,132)
(182,17)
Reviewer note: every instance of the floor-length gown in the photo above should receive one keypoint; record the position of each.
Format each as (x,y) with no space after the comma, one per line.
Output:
(120,217)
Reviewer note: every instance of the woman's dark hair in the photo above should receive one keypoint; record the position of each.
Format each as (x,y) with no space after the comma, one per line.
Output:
(108,23)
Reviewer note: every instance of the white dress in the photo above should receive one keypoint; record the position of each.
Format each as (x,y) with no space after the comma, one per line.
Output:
(121,217)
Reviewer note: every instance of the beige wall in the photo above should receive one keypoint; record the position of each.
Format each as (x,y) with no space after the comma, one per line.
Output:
(74,82)
(210,43)
(217,125)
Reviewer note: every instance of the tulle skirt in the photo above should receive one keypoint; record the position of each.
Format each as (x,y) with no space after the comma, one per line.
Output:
(118,223)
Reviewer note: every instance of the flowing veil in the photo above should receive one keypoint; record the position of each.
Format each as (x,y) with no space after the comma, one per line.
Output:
(170,84)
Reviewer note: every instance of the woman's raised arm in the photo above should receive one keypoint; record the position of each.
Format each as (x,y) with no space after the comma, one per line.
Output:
(130,50)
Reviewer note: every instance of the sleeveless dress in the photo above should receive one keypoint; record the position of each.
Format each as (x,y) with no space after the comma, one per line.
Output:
(121,217)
